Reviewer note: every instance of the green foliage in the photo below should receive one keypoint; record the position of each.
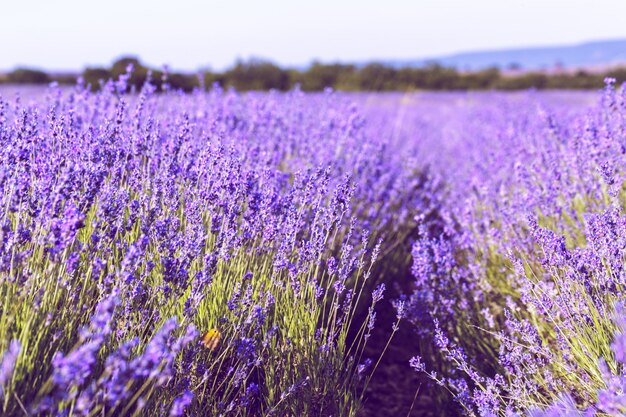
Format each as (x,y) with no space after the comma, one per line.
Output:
(257,75)
(93,76)
(320,76)
(183,82)
(28,76)
(523,82)
(139,73)
(67,79)
(261,75)
(619,74)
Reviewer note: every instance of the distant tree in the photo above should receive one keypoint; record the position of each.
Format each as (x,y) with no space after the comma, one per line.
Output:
(184,82)
(93,76)
(257,74)
(579,80)
(319,76)
(67,79)
(479,80)
(139,72)
(438,77)
(27,76)
(523,82)
(120,66)
(619,74)
(211,78)
(376,77)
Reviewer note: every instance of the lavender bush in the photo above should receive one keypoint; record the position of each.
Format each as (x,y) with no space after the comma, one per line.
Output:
(201,254)
(519,290)
(218,253)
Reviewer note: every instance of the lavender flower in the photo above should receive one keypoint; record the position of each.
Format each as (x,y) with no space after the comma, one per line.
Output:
(181,403)
(7,364)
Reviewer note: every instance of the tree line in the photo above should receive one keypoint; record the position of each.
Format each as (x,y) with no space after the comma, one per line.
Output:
(262,75)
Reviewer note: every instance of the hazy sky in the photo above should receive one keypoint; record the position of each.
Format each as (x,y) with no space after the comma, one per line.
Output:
(190,34)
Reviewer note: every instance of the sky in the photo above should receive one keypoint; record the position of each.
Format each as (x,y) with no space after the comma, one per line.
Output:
(198,34)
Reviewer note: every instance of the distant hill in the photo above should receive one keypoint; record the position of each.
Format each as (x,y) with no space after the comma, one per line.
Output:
(589,54)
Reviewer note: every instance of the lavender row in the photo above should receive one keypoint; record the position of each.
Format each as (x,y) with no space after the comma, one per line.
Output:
(519,292)
(201,254)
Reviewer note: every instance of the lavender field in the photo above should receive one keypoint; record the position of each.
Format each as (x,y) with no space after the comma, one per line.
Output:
(312,254)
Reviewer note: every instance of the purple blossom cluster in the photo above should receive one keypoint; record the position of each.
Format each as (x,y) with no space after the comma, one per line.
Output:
(217,253)
(191,254)
(518,287)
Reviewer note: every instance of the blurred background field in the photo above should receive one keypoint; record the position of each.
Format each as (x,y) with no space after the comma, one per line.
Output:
(321,209)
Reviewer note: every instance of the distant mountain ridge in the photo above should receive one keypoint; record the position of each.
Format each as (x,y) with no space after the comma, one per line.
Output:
(588,54)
